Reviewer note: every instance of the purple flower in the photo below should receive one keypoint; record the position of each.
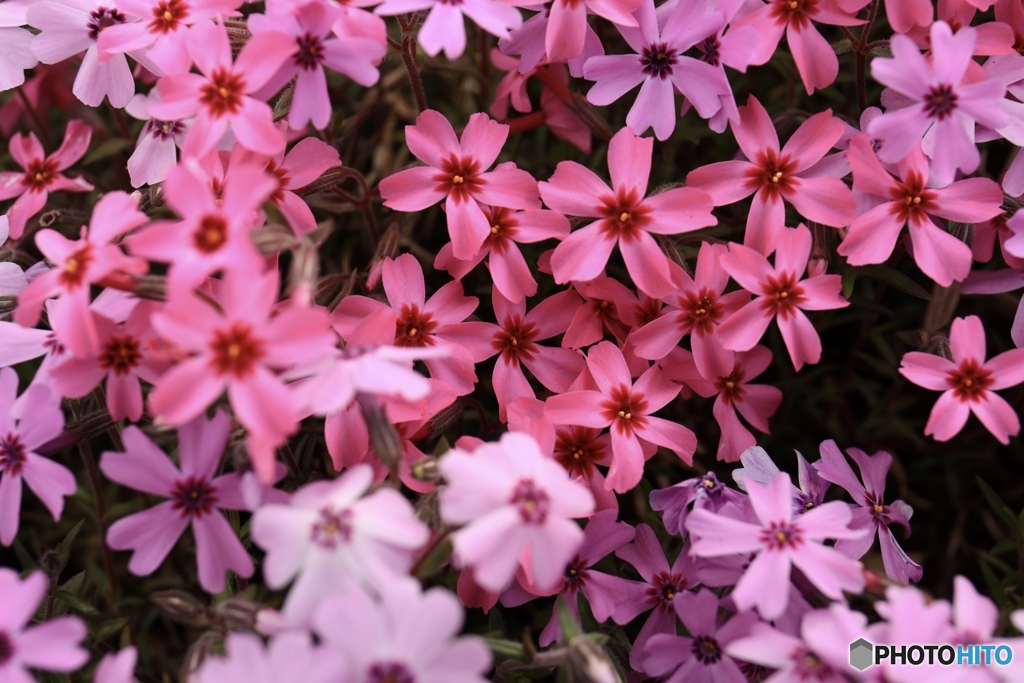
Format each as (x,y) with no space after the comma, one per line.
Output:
(50,646)
(871,511)
(779,541)
(758,466)
(703,492)
(196,498)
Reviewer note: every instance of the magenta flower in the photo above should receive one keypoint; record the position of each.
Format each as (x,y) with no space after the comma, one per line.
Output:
(943,109)
(42,173)
(517,506)
(222,95)
(968,383)
(780,294)
(455,172)
(779,541)
(626,408)
(871,511)
(288,656)
(908,201)
(445,29)
(625,216)
(331,532)
(54,645)
(26,423)
(661,65)
(567,25)
(773,175)
(409,635)
(195,495)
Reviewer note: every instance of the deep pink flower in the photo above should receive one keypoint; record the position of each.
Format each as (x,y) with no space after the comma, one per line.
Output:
(773,175)
(222,95)
(195,495)
(624,216)
(626,408)
(54,645)
(517,506)
(941,109)
(26,423)
(42,173)
(445,28)
(909,201)
(903,15)
(780,541)
(968,383)
(455,172)
(780,294)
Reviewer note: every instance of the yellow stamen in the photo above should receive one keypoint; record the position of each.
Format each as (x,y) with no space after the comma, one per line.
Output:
(457,180)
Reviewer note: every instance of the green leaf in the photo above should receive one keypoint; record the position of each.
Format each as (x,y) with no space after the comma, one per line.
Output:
(894,279)
(570,629)
(24,558)
(506,648)
(106,149)
(995,589)
(109,628)
(437,558)
(998,506)
(77,603)
(65,545)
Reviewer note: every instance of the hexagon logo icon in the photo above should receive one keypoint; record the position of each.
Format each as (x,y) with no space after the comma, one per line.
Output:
(861,652)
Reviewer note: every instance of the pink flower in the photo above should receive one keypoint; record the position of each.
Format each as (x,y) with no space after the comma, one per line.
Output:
(117,667)
(445,29)
(780,294)
(81,263)
(661,65)
(624,216)
(790,657)
(941,109)
(26,423)
(773,175)
(288,656)
(455,173)
(626,408)
(517,507)
(408,635)
(779,541)
(903,15)
(54,645)
(18,54)
(156,150)
(331,532)
(236,348)
(567,25)
(195,495)
(222,95)
(908,201)
(529,41)
(968,383)
(42,173)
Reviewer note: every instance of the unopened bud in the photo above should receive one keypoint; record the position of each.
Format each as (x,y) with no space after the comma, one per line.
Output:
(182,607)
(273,238)
(587,662)
(53,562)
(426,470)
(197,654)
(383,435)
(816,266)
(238,614)
(305,267)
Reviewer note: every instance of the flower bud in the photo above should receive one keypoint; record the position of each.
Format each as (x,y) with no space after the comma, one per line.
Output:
(587,662)
(181,607)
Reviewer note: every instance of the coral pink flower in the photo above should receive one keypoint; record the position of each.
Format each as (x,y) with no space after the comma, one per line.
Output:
(697,309)
(609,307)
(288,656)
(445,29)
(815,59)
(222,95)
(773,175)
(42,173)
(909,201)
(53,645)
(196,498)
(567,25)
(941,109)
(626,408)
(780,294)
(661,65)
(903,15)
(237,347)
(779,542)
(26,423)
(517,505)
(968,383)
(81,263)
(455,172)
(625,216)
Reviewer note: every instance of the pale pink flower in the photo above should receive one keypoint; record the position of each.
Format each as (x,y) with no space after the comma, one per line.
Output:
(156,150)
(779,541)
(455,172)
(39,419)
(789,656)
(626,408)
(773,175)
(18,55)
(517,506)
(42,173)
(625,216)
(196,498)
(54,645)
(968,383)
(288,656)
(222,95)
(117,667)
(780,294)
(445,29)
(910,201)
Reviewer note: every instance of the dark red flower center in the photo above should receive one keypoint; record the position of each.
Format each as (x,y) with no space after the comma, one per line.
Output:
(165,130)
(772,173)
(782,295)
(658,59)
(711,50)
(211,233)
(730,387)
(516,340)
(625,410)
(222,93)
(577,449)
(390,672)
(6,648)
(39,174)
(707,650)
(575,574)
(121,354)
(779,535)
(796,13)
(533,502)
(625,215)
(73,273)
(699,312)
(194,496)
(663,590)
(879,511)
(168,15)
(458,178)
(911,201)
(332,528)
(504,228)
(940,101)
(311,52)
(414,327)
(280,174)
(12,453)
(970,381)
(236,350)
(102,17)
